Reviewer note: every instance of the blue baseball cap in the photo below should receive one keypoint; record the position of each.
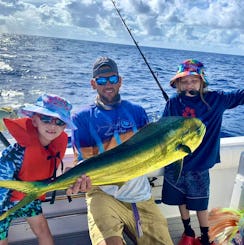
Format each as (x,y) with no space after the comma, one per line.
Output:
(103,65)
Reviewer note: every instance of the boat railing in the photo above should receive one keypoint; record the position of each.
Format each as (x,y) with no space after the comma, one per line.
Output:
(237,198)
(69,220)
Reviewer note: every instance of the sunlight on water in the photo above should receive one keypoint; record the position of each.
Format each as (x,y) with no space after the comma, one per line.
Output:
(30,66)
(5,67)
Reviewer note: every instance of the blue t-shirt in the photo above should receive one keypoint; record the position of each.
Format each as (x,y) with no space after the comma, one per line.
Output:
(99,130)
(211,114)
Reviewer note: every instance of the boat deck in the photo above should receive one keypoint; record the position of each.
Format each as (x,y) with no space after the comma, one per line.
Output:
(69,225)
(68,222)
(176,227)
(82,237)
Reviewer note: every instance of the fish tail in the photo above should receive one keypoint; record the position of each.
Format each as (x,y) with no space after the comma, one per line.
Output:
(23,186)
(32,190)
(22,203)
(37,188)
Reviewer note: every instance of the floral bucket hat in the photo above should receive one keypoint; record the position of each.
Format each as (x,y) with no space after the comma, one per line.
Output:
(50,105)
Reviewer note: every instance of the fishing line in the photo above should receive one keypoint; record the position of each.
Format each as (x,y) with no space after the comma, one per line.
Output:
(166,97)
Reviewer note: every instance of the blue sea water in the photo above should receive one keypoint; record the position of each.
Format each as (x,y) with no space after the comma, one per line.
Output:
(31,65)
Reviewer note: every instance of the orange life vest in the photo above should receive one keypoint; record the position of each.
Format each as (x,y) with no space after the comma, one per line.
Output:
(39,162)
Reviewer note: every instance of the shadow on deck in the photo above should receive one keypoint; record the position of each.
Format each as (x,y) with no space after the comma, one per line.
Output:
(68,224)
(82,237)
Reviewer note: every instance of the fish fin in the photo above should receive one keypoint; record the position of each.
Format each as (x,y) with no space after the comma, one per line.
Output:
(6,112)
(184,148)
(19,205)
(120,184)
(32,189)
(8,109)
(2,126)
(178,165)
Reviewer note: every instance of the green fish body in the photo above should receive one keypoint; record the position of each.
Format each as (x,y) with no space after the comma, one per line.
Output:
(156,145)
(6,112)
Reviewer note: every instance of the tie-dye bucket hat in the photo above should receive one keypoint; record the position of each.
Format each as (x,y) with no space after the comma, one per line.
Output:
(190,67)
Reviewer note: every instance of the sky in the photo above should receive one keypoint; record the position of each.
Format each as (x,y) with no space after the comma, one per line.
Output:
(199,25)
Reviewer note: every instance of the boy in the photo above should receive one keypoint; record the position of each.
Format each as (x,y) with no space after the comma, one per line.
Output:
(40,146)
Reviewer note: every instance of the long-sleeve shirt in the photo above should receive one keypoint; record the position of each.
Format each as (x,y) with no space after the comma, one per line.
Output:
(208,153)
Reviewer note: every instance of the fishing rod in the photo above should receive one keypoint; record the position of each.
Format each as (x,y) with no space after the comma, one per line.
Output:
(166,97)
(4,140)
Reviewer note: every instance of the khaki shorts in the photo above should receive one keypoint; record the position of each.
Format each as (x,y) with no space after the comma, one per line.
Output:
(107,217)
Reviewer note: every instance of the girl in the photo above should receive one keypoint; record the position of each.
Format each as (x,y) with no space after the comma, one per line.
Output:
(191,190)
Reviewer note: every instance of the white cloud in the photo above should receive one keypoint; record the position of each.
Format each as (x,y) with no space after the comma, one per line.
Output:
(208,25)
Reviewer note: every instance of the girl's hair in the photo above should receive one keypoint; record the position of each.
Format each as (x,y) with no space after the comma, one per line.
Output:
(203,90)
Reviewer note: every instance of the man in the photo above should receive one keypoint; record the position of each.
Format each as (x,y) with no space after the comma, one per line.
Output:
(100,127)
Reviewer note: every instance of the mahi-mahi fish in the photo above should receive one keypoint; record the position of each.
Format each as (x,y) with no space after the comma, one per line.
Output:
(8,112)
(156,145)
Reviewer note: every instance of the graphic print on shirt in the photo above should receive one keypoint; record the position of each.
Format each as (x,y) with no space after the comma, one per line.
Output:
(120,127)
(189,112)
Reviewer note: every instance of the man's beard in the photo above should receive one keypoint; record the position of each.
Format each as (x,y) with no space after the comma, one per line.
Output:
(108,105)
(113,101)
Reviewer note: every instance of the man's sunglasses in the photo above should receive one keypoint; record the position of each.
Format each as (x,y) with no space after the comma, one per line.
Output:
(103,80)
(48,119)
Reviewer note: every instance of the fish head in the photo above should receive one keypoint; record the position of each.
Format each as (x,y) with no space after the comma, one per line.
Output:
(183,136)
(192,134)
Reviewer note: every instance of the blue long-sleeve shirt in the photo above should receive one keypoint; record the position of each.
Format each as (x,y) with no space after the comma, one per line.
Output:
(11,161)
(208,153)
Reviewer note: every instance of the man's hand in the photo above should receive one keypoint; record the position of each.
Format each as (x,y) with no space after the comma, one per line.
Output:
(83,184)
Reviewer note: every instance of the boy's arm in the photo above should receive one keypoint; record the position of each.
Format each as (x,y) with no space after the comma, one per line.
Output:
(7,171)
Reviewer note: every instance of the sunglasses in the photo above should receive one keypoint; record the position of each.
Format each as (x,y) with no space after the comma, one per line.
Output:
(103,80)
(48,119)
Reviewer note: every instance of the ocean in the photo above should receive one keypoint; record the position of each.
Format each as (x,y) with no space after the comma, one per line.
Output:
(32,65)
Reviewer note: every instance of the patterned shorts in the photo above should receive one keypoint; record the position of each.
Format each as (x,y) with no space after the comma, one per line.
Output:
(32,209)
(191,188)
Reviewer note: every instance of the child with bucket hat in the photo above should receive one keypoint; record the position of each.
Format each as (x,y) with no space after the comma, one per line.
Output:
(190,191)
(40,146)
